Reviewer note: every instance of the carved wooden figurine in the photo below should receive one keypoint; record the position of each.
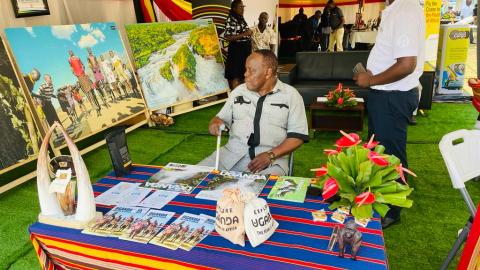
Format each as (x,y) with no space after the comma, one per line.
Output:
(349,235)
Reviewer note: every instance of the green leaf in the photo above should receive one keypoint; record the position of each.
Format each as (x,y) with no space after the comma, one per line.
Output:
(364,211)
(339,203)
(349,196)
(374,181)
(389,187)
(393,160)
(362,154)
(341,178)
(391,176)
(381,208)
(380,149)
(365,169)
(398,199)
(344,163)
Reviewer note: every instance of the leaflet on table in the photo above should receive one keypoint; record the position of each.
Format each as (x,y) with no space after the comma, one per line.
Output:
(178,177)
(179,231)
(133,196)
(292,189)
(247,182)
(145,228)
(158,199)
(111,196)
(115,222)
(199,234)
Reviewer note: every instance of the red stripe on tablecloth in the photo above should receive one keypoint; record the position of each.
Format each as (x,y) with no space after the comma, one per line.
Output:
(327,252)
(325,224)
(119,251)
(71,264)
(323,237)
(141,173)
(269,257)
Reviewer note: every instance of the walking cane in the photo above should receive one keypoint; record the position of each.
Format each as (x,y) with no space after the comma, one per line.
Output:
(219,140)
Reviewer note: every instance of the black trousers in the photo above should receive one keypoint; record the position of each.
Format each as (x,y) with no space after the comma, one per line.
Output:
(388,117)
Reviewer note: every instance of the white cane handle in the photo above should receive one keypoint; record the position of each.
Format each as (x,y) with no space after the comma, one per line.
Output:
(219,141)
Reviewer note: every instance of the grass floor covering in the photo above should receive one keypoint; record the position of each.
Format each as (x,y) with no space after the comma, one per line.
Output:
(420,241)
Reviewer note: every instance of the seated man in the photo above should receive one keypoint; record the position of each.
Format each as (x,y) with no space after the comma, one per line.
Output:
(266,119)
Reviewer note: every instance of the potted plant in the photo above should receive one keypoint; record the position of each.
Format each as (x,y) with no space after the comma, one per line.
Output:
(363,177)
(341,97)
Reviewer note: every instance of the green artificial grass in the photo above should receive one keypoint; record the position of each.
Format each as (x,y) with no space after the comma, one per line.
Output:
(420,241)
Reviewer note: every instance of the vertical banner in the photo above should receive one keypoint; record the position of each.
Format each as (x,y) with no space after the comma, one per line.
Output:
(452,55)
(432,20)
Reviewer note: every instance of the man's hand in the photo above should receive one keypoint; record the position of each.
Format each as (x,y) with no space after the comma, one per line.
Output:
(259,163)
(214,126)
(363,79)
(247,33)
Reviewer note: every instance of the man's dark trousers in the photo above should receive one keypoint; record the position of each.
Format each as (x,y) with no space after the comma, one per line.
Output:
(388,115)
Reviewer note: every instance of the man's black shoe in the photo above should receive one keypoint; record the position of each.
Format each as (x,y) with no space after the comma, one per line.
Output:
(388,221)
(413,120)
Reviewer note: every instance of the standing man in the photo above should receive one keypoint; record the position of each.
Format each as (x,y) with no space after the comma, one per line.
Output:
(336,23)
(97,74)
(313,27)
(263,37)
(300,21)
(465,12)
(266,119)
(83,80)
(394,67)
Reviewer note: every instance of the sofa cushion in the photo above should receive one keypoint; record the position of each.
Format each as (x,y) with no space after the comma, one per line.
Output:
(314,66)
(344,62)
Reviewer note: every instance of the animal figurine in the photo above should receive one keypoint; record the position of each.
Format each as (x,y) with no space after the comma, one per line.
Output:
(162,119)
(349,235)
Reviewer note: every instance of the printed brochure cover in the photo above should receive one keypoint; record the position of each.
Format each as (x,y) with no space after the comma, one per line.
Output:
(292,189)
(179,231)
(145,228)
(178,177)
(115,221)
(247,182)
(199,234)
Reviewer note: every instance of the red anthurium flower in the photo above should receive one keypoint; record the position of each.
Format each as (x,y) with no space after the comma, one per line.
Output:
(320,171)
(340,101)
(371,143)
(365,198)
(348,139)
(400,169)
(330,152)
(377,159)
(330,188)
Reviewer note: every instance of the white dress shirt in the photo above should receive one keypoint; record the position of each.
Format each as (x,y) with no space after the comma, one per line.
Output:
(401,34)
(467,11)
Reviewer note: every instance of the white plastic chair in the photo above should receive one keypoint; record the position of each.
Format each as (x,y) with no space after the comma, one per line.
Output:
(461,153)
(462,160)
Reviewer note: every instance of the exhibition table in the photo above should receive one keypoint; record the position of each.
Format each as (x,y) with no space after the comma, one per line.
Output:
(298,243)
(362,37)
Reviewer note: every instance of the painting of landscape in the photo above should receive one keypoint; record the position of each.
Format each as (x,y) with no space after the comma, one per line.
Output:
(177,62)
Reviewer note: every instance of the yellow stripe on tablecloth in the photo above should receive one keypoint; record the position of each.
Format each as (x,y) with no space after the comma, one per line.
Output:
(187,6)
(112,255)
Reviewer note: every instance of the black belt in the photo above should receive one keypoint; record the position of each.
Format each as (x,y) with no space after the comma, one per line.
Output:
(391,91)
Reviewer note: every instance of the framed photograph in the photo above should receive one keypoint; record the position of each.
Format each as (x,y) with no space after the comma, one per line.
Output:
(28,8)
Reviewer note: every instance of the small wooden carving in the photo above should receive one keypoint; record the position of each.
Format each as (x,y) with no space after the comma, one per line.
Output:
(349,235)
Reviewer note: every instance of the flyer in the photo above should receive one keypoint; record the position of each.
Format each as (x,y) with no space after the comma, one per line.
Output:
(178,177)
(246,182)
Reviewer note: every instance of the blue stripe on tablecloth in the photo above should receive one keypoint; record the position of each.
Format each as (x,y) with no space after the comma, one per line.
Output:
(294,245)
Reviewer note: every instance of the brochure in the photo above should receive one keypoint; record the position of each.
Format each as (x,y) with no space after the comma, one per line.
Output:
(158,199)
(199,234)
(145,228)
(115,221)
(178,177)
(292,189)
(111,196)
(179,231)
(246,182)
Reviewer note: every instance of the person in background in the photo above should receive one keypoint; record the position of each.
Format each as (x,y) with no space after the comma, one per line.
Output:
(266,118)
(337,20)
(325,28)
(465,12)
(313,29)
(394,67)
(300,22)
(45,94)
(238,36)
(263,37)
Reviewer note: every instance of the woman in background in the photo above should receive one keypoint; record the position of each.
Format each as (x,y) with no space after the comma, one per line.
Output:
(238,35)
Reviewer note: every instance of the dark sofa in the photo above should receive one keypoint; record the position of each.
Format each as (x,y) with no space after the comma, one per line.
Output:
(316,73)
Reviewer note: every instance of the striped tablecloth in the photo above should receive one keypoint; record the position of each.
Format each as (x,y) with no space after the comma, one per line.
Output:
(298,243)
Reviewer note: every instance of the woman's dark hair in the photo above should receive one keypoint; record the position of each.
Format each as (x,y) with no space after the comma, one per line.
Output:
(235,4)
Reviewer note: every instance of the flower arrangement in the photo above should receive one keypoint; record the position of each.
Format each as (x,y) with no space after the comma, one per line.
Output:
(341,97)
(363,177)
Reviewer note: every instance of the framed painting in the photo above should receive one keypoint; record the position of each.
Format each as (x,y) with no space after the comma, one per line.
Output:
(177,62)
(28,8)
(19,133)
(79,75)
